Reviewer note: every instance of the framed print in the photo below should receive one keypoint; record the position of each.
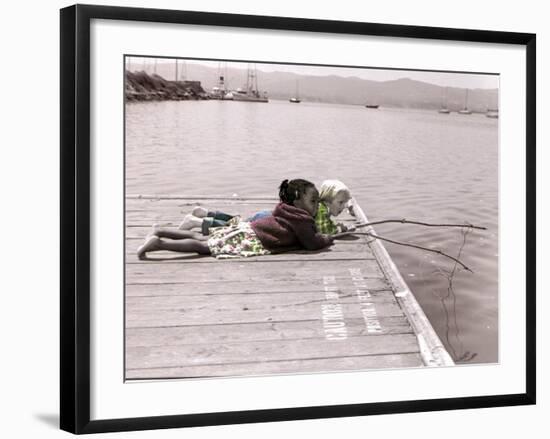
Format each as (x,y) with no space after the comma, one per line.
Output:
(275,218)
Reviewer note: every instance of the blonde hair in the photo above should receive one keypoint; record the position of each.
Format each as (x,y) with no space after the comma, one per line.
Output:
(331,188)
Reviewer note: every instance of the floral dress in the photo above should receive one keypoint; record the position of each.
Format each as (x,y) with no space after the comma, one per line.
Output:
(235,240)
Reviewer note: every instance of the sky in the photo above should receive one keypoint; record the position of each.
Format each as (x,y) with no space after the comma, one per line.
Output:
(445,79)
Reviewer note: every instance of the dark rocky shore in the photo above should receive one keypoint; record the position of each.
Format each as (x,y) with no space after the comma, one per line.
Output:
(143,87)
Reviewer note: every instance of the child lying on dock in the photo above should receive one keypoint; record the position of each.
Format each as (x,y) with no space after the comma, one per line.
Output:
(333,199)
(291,225)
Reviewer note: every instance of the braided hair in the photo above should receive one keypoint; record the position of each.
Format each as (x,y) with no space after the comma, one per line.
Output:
(290,191)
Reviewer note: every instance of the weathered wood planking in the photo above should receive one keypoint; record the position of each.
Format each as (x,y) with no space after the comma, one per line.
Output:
(160,311)
(155,317)
(253,368)
(248,302)
(190,316)
(264,351)
(376,286)
(242,269)
(283,330)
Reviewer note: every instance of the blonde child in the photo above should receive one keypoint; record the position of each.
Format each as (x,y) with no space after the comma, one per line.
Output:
(334,197)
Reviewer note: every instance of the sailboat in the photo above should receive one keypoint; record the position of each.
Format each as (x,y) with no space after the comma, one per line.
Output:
(465,110)
(296,99)
(250,93)
(444,109)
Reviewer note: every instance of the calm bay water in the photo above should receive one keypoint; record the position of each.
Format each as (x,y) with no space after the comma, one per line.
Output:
(412,164)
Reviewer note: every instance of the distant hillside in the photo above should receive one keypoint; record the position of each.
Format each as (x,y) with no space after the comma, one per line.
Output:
(405,93)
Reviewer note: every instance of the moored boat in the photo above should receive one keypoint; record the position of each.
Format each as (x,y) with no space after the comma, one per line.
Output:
(296,99)
(465,110)
(220,91)
(250,93)
(444,109)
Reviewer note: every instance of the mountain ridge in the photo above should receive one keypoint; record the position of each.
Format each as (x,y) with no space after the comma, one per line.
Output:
(401,93)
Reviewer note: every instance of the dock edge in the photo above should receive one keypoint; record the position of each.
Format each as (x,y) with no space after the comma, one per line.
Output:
(432,350)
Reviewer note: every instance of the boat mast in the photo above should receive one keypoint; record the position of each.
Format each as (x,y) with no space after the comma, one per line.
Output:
(248,85)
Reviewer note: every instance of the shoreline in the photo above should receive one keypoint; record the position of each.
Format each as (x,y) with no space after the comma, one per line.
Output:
(140,86)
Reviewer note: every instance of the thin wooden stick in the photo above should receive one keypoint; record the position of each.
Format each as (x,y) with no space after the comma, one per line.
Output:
(405,221)
(406,244)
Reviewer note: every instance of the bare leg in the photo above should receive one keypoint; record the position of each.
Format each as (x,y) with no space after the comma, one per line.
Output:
(154,243)
(189,222)
(184,246)
(178,234)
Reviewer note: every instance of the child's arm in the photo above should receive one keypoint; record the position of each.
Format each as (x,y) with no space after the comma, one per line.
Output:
(311,239)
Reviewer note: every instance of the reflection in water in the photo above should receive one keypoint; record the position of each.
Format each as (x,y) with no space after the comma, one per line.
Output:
(456,348)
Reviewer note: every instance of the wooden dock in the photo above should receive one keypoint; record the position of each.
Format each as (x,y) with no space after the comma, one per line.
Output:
(343,308)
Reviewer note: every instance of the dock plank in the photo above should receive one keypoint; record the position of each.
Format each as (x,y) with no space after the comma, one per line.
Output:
(263,351)
(244,333)
(253,270)
(219,312)
(246,302)
(249,287)
(392,361)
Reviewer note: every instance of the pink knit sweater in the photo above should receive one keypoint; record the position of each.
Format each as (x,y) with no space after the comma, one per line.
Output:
(287,228)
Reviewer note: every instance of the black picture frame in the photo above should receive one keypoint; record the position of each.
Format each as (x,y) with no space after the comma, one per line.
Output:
(75,217)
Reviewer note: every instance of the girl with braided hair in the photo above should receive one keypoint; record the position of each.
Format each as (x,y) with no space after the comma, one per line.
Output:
(290,226)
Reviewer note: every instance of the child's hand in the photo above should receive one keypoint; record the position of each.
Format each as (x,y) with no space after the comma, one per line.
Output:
(343,228)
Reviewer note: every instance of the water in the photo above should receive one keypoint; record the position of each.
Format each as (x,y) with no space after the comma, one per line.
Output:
(410,164)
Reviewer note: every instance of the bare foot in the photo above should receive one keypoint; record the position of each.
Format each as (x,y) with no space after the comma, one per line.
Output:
(189,221)
(154,230)
(199,211)
(151,243)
